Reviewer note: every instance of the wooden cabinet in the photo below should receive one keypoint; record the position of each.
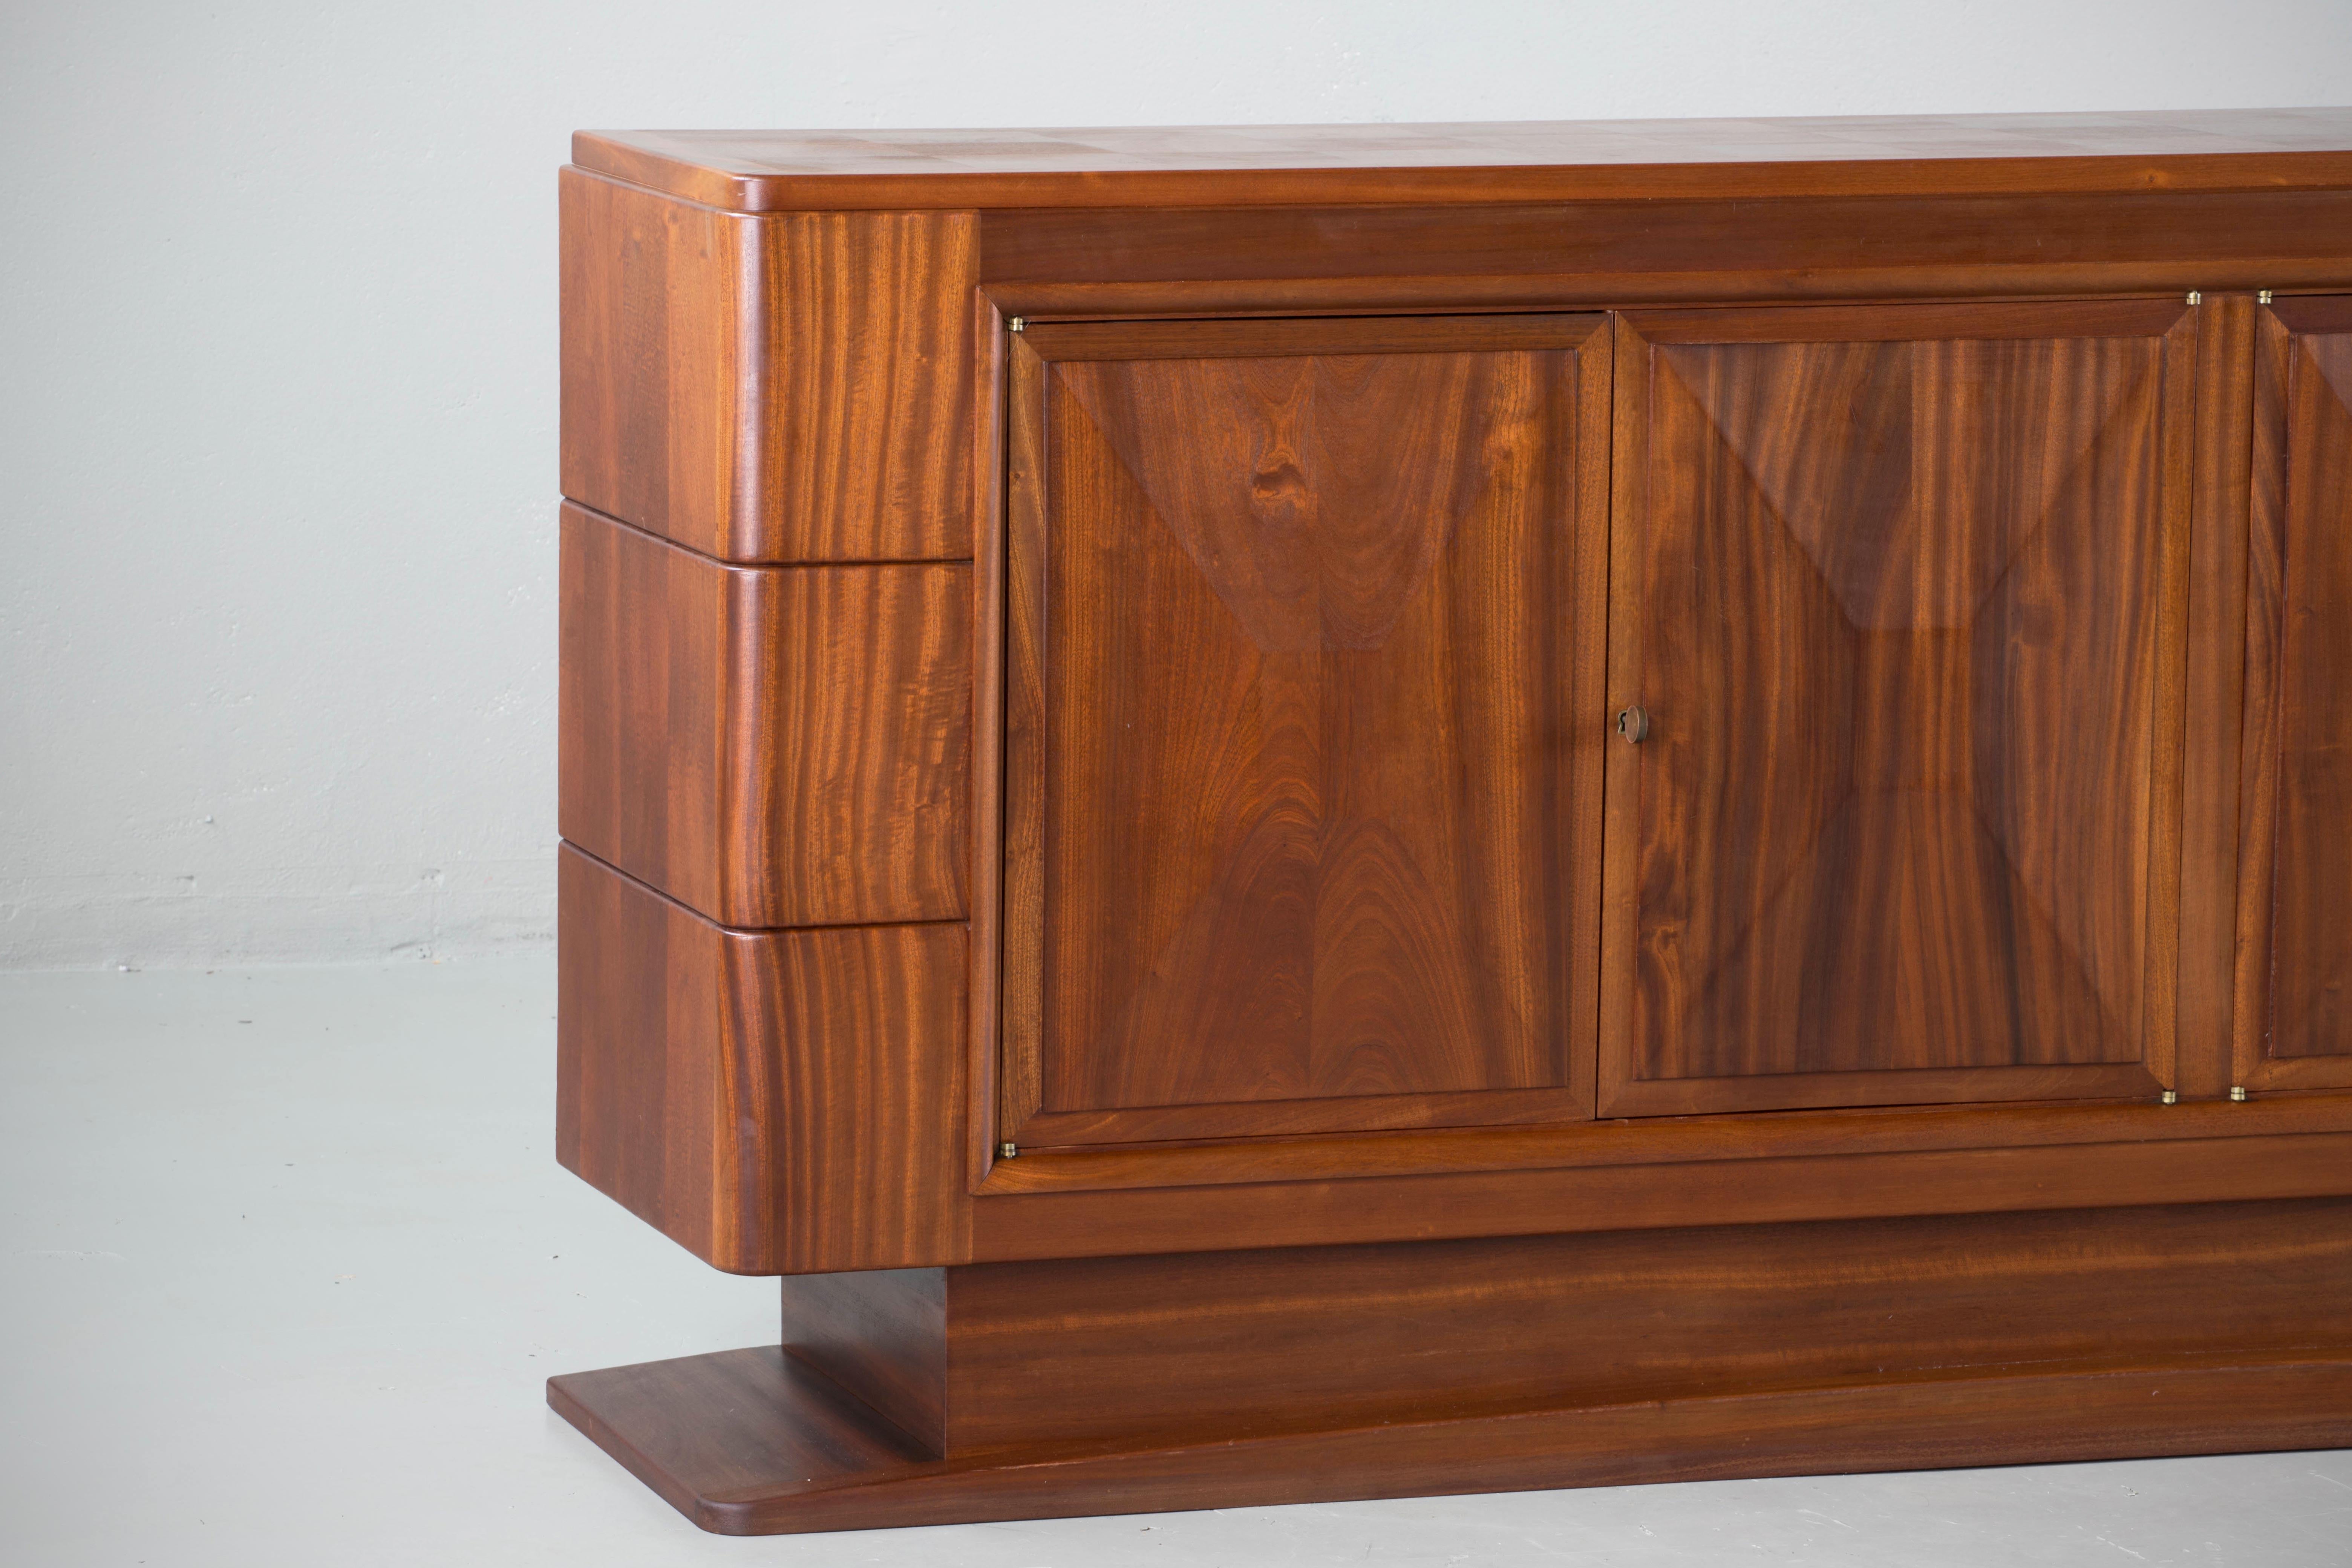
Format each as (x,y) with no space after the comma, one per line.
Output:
(1327,813)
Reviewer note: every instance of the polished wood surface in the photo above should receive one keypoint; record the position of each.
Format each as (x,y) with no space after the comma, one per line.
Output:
(1291,808)
(1899,590)
(2298,1020)
(795,388)
(773,746)
(775,171)
(1976,1340)
(776,1102)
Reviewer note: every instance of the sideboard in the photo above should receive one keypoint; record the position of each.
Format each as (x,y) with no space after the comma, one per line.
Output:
(1341,812)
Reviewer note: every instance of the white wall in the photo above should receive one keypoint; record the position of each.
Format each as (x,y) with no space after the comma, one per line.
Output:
(278,330)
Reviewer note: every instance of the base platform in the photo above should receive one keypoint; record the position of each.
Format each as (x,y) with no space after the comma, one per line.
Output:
(751,1442)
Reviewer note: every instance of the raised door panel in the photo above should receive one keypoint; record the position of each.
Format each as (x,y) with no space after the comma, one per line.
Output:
(1298,615)
(2294,990)
(1900,590)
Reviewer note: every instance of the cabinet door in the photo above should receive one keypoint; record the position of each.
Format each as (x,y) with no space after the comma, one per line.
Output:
(2294,974)
(1298,615)
(1901,590)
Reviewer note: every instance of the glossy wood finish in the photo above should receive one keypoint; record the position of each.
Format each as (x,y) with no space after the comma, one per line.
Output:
(1311,1360)
(2295,980)
(1300,614)
(776,1102)
(777,171)
(794,389)
(1902,592)
(773,746)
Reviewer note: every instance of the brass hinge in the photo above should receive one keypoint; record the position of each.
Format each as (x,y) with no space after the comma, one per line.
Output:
(2238,1091)
(2170,1097)
(1016,324)
(2195,298)
(1008,1150)
(2262,297)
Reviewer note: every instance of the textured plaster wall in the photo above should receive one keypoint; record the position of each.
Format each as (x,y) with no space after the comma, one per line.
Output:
(278,363)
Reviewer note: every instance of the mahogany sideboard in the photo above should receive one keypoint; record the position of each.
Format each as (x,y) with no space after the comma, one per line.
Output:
(1330,813)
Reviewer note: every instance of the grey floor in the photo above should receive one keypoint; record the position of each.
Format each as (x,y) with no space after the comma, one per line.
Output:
(287,1258)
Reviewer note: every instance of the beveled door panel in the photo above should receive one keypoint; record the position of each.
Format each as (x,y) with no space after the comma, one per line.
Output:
(1900,590)
(1297,627)
(2294,978)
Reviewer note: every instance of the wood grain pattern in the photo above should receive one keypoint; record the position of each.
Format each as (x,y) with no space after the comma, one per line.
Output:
(1243,1345)
(761,170)
(773,746)
(1291,815)
(786,389)
(776,1103)
(1902,596)
(2299,744)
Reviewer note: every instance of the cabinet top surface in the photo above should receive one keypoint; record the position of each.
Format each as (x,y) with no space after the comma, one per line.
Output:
(1234,165)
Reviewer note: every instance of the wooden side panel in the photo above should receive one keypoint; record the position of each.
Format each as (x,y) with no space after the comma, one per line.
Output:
(773,746)
(658,1104)
(1902,593)
(642,706)
(1243,1345)
(659,349)
(776,1103)
(788,388)
(1295,633)
(2298,904)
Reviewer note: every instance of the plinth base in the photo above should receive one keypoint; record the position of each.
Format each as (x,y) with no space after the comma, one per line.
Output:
(752,1442)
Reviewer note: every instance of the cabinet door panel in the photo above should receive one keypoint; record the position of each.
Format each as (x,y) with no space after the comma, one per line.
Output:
(1899,589)
(1294,632)
(2295,913)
